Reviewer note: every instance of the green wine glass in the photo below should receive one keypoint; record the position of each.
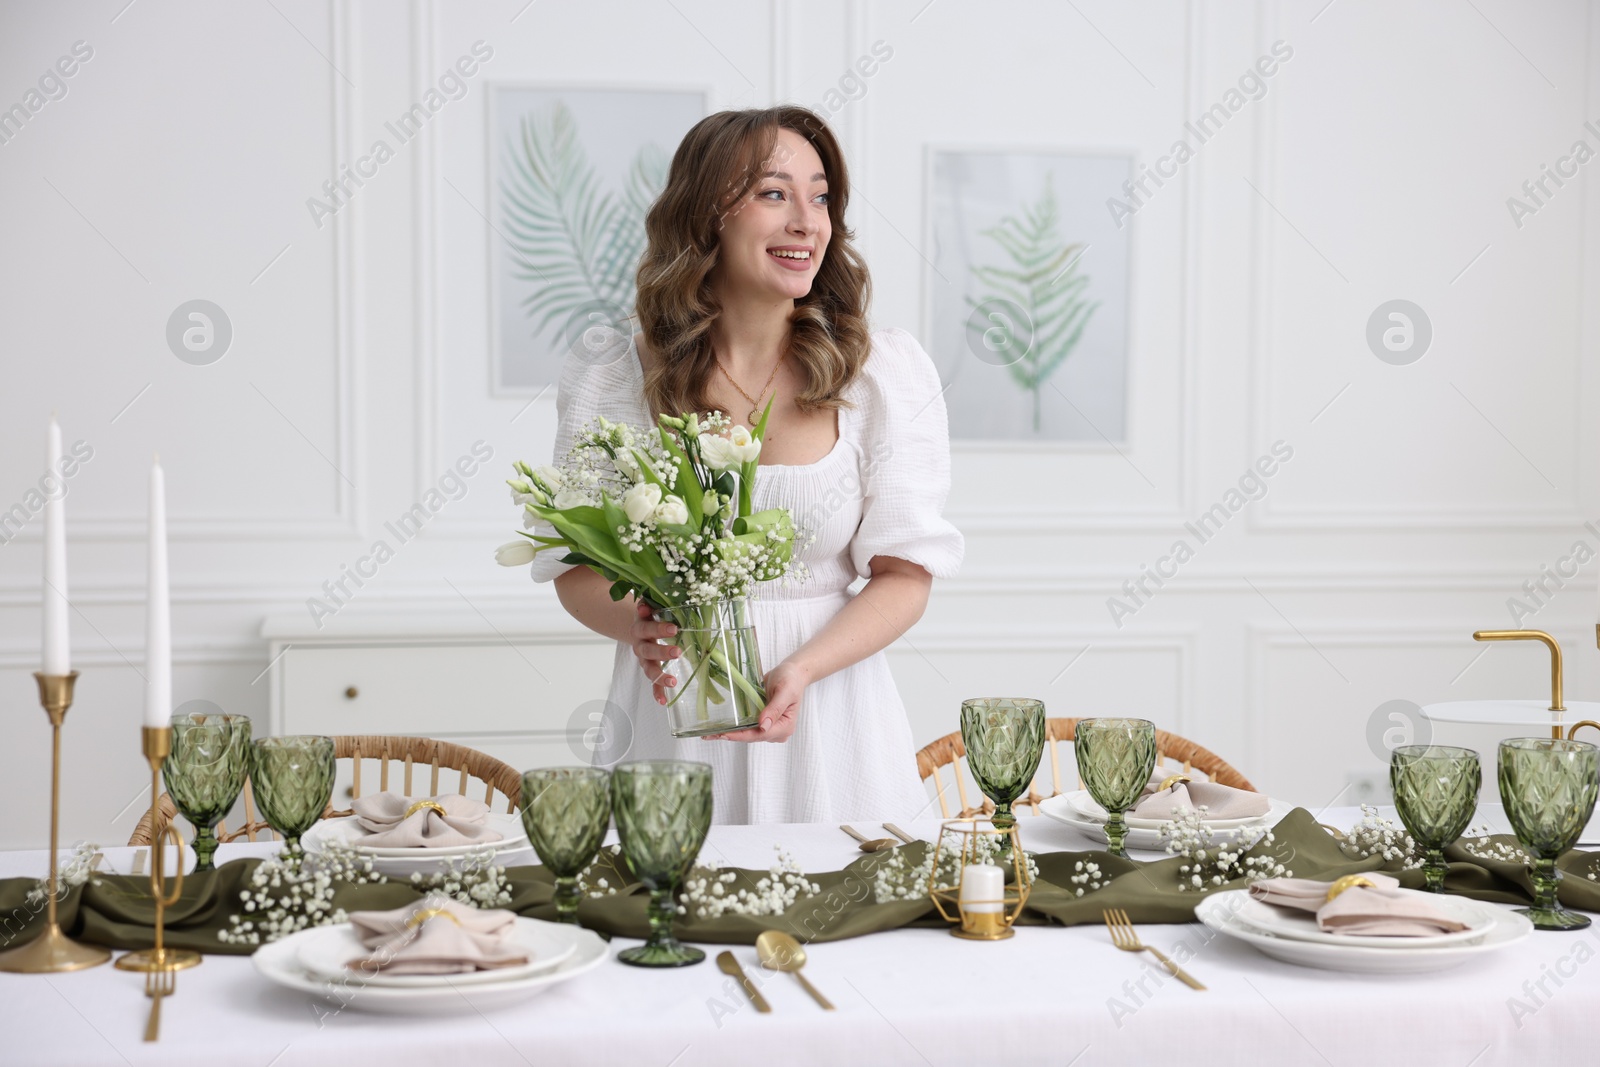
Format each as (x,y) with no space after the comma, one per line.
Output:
(663,810)
(293,781)
(1548,787)
(1004,738)
(205,773)
(566,811)
(1436,792)
(1115,758)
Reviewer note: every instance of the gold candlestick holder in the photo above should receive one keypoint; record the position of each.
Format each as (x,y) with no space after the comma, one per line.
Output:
(53,951)
(157,745)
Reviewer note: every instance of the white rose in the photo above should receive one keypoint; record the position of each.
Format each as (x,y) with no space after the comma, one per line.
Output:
(717,452)
(514,553)
(569,498)
(672,511)
(549,476)
(640,501)
(743,446)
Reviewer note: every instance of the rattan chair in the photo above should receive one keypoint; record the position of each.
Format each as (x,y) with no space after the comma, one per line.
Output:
(406,752)
(948,751)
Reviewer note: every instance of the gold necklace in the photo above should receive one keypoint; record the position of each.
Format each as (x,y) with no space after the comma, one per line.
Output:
(756,405)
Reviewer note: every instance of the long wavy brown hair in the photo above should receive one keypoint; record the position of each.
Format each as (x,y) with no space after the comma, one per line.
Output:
(714,169)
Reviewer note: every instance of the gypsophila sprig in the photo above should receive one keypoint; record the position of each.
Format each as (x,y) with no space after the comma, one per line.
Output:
(292,891)
(75,872)
(897,879)
(473,879)
(1087,878)
(1374,835)
(1214,859)
(714,892)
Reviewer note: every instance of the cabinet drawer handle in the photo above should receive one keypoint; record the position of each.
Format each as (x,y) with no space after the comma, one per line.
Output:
(351,693)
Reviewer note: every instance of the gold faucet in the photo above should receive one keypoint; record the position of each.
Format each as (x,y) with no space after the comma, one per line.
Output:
(1555,662)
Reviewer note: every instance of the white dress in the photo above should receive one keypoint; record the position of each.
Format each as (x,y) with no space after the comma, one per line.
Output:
(880,491)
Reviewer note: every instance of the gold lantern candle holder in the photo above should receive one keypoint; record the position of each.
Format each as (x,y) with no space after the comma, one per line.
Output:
(53,951)
(158,958)
(981,912)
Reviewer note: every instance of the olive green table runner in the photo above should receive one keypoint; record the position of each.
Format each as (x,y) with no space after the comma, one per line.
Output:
(116,910)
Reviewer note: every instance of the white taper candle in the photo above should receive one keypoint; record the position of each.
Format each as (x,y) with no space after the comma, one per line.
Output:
(158,611)
(57,657)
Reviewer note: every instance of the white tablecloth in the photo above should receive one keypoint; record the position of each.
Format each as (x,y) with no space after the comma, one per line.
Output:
(1050,995)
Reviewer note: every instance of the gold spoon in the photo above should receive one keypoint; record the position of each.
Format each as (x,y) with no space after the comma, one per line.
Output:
(874,845)
(780,952)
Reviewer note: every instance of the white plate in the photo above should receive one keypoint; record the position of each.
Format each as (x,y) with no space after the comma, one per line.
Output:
(512,850)
(326,954)
(1302,925)
(1219,913)
(278,962)
(347,831)
(1085,805)
(1060,809)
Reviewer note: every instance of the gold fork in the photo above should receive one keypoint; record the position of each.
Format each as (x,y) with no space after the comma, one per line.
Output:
(158,984)
(1126,938)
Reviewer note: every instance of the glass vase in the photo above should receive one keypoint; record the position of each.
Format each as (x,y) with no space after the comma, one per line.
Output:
(565,811)
(1548,787)
(1436,793)
(1004,738)
(720,685)
(204,774)
(663,810)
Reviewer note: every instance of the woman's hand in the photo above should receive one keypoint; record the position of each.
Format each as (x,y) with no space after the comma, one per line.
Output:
(786,684)
(642,639)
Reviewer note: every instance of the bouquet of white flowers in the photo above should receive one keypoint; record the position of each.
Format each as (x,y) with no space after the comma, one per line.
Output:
(667,517)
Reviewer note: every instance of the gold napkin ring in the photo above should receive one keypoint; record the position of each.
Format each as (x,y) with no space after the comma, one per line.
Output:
(1173,780)
(1350,881)
(418,918)
(421,805)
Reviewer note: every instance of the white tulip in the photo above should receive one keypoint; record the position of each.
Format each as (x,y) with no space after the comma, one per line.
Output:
(743,446)
(717,453)
(672,511)
(640,501)
(569,498)
(514,553)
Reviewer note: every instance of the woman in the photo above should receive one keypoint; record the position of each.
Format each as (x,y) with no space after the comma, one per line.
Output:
(749,290)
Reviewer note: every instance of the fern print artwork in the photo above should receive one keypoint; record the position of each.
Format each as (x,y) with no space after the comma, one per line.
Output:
(1026,299)
(1044,282)
(573,175)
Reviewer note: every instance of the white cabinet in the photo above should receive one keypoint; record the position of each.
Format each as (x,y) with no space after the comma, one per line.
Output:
(525,695)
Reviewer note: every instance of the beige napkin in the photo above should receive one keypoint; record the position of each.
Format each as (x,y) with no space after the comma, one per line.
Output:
(1380,910)
(436,936)
(1220,801)
(383,816)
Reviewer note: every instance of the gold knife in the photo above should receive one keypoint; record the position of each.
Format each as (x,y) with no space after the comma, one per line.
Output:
(729,965)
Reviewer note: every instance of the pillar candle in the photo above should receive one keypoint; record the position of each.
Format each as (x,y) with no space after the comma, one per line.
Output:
(983,888)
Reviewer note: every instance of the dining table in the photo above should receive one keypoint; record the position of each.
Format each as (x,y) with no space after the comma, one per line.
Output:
(1058,995)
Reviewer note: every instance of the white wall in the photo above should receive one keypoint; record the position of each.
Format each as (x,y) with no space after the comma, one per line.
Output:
(1376,166)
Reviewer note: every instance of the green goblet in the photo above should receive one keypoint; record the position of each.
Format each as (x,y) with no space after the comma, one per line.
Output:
(1004,738)
(1436,792)
(1548,787)
(205,773)
(663,810)
(293,781)
(1115,758)
(566,811)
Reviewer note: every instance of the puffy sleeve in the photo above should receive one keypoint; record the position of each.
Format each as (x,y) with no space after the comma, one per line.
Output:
(905,447)
(595,380)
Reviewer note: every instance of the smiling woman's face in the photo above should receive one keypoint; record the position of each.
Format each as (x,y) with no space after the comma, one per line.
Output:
(774,241)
